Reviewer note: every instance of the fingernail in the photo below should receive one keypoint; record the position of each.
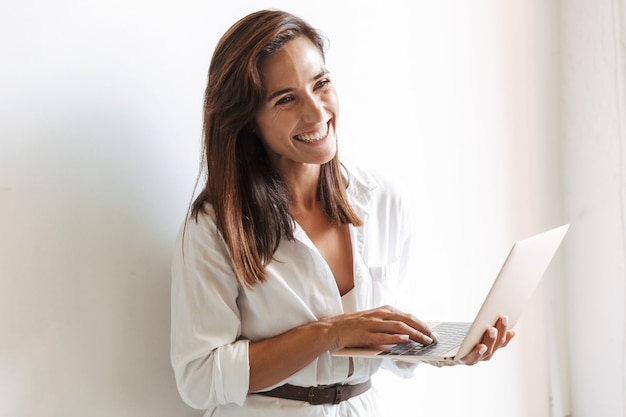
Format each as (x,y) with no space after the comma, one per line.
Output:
(404,337)
(493,333)
(505,320)
(428,340)
(482,350)
(435,336)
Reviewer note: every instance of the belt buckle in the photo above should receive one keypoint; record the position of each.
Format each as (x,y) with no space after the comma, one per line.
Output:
(337,389)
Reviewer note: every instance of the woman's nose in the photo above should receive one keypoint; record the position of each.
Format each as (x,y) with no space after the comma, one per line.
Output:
(313,110)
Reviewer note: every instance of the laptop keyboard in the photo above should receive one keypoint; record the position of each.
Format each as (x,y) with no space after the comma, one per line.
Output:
(451,334)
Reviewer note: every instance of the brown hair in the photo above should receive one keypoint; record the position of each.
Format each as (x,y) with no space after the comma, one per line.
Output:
(250,200)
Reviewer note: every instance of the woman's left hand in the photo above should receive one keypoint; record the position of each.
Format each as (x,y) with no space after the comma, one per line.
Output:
(494,338)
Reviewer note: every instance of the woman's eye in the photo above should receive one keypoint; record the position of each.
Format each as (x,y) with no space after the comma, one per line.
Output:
(323,83)
(284,100)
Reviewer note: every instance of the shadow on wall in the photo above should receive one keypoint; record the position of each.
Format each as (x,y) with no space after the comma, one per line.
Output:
(89,211)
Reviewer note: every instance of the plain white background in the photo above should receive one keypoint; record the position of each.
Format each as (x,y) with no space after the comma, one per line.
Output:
(486,110)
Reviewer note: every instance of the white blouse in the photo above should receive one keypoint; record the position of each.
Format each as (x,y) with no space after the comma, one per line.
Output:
(214,318)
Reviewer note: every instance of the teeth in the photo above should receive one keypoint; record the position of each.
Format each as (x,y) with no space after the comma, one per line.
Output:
(313,137)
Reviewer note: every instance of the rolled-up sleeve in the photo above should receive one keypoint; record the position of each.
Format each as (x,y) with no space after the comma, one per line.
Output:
(209,358)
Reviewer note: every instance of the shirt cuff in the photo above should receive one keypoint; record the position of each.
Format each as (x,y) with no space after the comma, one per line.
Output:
(234,369)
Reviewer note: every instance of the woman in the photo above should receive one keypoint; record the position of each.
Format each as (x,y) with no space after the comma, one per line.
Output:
(286,254)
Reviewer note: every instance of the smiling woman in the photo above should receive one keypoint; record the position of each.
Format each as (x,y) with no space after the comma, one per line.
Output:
(297,121)
(465,104)
(279,261)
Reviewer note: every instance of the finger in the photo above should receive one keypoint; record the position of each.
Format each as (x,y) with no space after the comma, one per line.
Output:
(391,313)
(497,341)
(401,327)
(406,323)
(369,338)
(510,334)
(372,329)
(423,328)
(503,336)
(422,332)
(476,355)
(362,329)
(490,340)
(502,326)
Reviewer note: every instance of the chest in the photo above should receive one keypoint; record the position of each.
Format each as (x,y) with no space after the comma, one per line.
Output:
(301,287)
(333,242)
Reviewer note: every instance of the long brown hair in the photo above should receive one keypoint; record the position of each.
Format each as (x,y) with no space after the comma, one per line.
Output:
(250,200)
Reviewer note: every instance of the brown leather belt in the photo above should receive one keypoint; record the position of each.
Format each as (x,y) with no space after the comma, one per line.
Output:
(322,394)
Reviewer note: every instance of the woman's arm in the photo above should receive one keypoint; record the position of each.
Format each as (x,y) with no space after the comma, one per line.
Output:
(276,358)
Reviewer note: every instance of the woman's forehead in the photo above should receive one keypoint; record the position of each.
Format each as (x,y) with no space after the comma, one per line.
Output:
(298,61)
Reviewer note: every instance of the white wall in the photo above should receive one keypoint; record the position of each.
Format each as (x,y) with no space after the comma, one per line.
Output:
(100,122)
(593,37)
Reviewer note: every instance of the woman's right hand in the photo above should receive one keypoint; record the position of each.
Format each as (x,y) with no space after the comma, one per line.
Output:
(275,358)
(379,326)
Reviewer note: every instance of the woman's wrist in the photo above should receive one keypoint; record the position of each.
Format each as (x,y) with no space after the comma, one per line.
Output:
(328,334)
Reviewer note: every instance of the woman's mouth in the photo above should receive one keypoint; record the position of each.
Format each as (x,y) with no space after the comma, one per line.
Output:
(313,136)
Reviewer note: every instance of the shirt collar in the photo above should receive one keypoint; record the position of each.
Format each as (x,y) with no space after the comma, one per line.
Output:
(360,186)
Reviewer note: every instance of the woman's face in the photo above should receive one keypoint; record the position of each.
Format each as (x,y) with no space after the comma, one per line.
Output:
(297,118)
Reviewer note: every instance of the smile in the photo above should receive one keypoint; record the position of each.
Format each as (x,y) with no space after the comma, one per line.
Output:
(313,136)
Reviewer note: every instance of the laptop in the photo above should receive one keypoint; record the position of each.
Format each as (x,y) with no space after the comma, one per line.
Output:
(512,289)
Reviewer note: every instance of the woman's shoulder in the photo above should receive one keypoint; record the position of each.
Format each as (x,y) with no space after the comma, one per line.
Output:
(202,216)
(200,224)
